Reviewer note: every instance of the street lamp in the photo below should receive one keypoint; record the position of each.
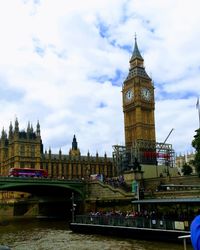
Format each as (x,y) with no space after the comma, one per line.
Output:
(73,207)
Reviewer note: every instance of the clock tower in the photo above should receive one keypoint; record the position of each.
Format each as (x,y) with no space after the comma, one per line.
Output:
(138,103)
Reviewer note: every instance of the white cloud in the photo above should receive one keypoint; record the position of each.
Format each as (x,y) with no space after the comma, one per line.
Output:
(59,61)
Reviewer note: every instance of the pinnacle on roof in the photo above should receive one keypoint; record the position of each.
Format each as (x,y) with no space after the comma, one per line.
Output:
(10,129)
(16,125)
(136,52)
(3,134)
(38,128)
(74,143)
(28,127)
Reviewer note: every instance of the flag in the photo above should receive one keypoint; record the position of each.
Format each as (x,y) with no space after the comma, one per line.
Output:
(197,105)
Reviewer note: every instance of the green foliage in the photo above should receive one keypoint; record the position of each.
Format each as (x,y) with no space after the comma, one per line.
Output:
(186,169)
(196,145)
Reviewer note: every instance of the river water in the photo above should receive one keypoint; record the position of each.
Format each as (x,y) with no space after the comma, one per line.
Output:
(56,235)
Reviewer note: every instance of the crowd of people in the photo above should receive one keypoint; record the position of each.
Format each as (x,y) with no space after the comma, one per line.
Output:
(117,182)
(149,214)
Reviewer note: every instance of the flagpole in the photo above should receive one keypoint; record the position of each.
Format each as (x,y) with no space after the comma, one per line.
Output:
(197,106)
(199,115)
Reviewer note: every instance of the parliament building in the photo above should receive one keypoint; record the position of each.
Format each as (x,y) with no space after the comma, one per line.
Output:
(24,149)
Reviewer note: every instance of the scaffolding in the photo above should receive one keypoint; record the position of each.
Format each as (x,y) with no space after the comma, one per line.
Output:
(143,152)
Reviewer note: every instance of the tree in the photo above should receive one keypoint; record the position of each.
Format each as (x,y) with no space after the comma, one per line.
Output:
(196,145)
(186,169)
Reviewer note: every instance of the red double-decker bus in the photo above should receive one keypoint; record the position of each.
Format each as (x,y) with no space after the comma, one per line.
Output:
(28,172)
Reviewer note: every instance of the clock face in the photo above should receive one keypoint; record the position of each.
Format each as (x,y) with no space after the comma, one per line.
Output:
(129,95)
(146,94)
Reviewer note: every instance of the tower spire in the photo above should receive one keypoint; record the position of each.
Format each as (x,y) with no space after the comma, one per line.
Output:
(74,143)
(136,52)
(74,151)
(136,64)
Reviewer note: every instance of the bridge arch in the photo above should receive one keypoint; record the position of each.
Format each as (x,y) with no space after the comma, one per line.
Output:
(43,186)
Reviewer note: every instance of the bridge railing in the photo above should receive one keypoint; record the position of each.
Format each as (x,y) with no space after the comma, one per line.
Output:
(11,179)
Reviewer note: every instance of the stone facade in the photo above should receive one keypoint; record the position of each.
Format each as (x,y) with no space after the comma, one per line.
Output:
(185,159)
(24,149)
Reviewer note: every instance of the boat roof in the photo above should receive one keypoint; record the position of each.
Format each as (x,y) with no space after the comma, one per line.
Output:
(172,200)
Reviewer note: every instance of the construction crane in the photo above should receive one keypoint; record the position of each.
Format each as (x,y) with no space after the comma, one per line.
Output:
(162,148)
(166,139)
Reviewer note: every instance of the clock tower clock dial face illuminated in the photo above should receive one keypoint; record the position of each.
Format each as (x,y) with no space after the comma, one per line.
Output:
(129,95)
(146,94)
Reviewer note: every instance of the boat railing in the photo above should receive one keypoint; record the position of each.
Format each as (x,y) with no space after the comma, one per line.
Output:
(184,238)
(139,222)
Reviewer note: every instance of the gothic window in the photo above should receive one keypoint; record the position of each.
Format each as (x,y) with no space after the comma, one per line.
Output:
(32,150)
(32,164)
(22,150)
(12,151)
(22,165)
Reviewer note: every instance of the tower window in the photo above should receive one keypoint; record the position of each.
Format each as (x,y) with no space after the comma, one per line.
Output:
(22,150)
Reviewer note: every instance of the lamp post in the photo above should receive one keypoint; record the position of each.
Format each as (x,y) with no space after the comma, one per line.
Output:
(73,207)
(138,195)
(136,190)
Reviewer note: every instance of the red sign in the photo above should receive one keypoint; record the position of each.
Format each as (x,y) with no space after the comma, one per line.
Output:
(153,154)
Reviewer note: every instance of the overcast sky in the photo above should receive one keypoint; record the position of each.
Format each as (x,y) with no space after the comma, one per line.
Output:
(63,63)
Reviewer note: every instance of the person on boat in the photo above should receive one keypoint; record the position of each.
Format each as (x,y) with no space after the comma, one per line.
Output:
(195,233)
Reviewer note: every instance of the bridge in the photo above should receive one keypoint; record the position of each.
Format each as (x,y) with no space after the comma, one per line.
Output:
(56,196)
(44,186)
(48,197)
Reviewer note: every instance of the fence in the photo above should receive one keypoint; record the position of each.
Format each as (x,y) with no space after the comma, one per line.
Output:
(139,222)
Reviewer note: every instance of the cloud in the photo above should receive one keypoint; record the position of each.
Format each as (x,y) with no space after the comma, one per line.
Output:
(63,63)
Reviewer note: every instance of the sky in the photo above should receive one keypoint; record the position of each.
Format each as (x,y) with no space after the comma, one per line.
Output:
(63,63)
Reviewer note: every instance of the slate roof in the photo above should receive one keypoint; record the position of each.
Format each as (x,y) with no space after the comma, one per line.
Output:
(136,52)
